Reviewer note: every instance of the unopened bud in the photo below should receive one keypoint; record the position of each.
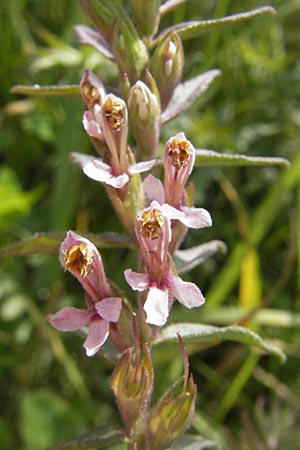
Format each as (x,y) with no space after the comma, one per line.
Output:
(174,412)
(144,116)
(146,15)
(132,383)
(172,415)
(103,14)
(167,65)
(129,50)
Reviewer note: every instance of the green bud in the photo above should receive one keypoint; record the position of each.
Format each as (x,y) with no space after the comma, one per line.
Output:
(144,116)
(146,14)
(132,383)
(103,13)
(167,65)
(173,414)
(130,51)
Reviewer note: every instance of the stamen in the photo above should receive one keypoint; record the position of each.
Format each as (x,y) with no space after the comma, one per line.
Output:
(91,95)
(78,260)
(114,113)
(179,153)
(151,223)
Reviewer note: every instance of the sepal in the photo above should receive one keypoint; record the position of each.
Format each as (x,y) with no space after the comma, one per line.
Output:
(130,51)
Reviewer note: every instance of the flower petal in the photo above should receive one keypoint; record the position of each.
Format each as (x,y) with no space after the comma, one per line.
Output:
(157,306)
(97,170)
(188,294)
(196,217)
(70,319)
(109,308)
(97,335)
(91,126)
(154,189)
(142,166)
(137,281)
(172,213)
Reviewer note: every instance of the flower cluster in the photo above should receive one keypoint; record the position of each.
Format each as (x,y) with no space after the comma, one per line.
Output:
(153,229)
(106,122)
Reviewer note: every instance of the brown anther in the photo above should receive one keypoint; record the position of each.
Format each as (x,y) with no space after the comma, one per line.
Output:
(114,114)
(151,223)
(179,153)
(78,260)
(91,95)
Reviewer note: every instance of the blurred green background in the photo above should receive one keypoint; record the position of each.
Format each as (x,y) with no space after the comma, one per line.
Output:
(49,390)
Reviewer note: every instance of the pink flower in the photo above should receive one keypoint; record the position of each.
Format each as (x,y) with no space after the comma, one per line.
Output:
(153,231)
(189,216)
(82,259)
(179,158)
(97,170)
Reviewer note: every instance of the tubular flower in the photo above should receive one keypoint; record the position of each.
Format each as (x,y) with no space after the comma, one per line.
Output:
(179,159)
(153,231)
(81,257)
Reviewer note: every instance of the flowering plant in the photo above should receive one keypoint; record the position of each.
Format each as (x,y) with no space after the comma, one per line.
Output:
(155,211)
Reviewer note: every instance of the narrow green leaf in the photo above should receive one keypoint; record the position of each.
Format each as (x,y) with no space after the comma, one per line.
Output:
(186,260)
(169,5)
(48,90)
(50,243)
(203,333)
(87,35)
(187,92)
(212,158)
(195,28)
(192,442)
(99,438)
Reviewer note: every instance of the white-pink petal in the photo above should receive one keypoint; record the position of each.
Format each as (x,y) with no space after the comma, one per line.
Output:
(156,306)
(188,294)
(154,189)
(109,308)
(142,166)
(172,213)
(70,319)
(97,170)
(196,217)
(91,126)
(97,335)
(137,281)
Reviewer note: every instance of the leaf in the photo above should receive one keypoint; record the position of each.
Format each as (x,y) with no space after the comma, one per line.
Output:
(195,28)
(169,5)
(185,260)
(202,333)
(185,94)
(49,90)
(212,158)
(50,243)
(99,438)
(87,35)
(192,442)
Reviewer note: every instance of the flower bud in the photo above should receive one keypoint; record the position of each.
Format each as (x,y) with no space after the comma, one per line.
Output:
(144,115)
(146,15)
(103,14)
(167,65)
(132,383)
(130,51)
(172,415)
